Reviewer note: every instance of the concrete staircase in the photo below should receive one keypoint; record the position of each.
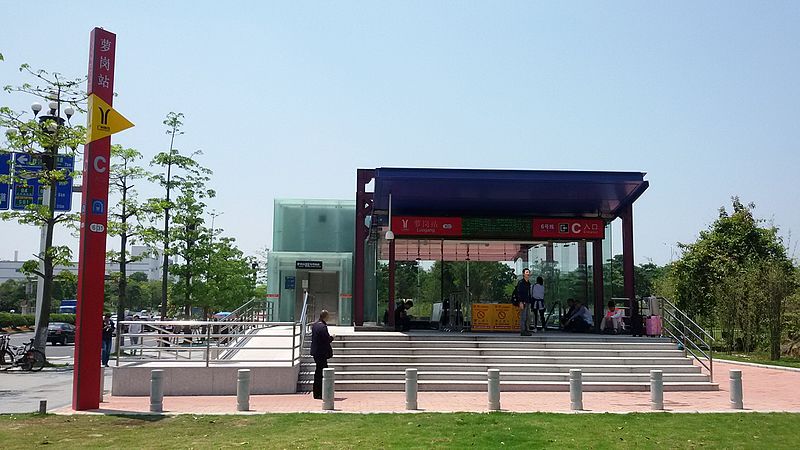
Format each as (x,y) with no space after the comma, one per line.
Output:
(459,361)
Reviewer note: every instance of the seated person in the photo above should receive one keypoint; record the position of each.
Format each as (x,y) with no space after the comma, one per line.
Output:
(570,311)
(402,321)
(581,320)
(613,319)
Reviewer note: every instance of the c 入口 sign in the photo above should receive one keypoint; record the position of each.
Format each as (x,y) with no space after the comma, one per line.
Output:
(558,228)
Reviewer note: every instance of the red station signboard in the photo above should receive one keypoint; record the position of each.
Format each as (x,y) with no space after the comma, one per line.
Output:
(560,228)
(94,222)
(515,228)
(426,226)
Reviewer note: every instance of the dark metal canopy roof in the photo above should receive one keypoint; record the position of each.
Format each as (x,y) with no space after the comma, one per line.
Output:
(472,192)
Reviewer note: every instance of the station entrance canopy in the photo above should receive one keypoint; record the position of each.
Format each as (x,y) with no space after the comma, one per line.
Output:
(488,213)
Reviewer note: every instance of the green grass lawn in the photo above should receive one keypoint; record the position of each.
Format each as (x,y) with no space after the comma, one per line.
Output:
(758,358)
(426,430)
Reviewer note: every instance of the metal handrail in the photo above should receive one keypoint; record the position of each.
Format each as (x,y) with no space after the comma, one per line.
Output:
(304,321)
(672,305)
(681,328)
(169,338)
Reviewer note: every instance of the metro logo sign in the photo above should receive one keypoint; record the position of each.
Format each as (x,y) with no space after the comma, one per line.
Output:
(550,228)
(426,226)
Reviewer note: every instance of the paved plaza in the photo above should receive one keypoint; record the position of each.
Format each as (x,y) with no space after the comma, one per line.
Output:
(765,390)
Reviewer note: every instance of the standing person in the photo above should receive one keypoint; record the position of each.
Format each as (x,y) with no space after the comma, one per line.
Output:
(134,329)
(537,298)
(108,335)
(522,297)
(321,350)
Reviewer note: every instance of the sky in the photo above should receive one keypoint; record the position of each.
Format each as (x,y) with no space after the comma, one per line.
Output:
(288,99)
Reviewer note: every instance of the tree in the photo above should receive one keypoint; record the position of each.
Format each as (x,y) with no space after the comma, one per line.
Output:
(42,141)
(177,168)
(125,218)
(737,275)
(12,292)
(191,238)
(228,281)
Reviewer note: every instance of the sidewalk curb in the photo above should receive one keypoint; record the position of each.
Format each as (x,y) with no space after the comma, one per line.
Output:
(62,412)
(762,366)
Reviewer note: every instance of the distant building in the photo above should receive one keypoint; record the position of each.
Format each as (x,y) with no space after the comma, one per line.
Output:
(150,266)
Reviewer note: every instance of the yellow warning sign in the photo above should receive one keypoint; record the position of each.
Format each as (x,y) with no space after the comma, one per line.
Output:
(103,120)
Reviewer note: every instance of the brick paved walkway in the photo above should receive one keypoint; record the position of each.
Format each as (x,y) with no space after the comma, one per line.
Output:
(764,390)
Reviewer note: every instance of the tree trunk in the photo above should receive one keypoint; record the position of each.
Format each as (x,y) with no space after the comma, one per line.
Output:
(42,322)
(123,281)
(165,267)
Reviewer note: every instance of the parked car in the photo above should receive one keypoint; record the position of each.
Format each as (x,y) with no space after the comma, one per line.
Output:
(61,333)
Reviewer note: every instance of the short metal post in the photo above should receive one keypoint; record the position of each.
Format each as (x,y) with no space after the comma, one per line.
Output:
(328,378)
(156,390)
(575,389)
(656,390)
(42,406)
(411,389)
(736,389)
(243,390)
(494,389)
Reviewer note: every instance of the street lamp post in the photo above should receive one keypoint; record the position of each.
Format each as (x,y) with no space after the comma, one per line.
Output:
(52,126)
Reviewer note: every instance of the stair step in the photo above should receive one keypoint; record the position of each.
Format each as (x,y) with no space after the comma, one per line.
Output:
(587,368)
(510,359)
(509,386)
(510,376)
(472,351)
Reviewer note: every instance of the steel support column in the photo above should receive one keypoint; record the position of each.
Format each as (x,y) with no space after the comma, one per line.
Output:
(597,281)
(627,269)
(392,269)
(582,253)
(364,202)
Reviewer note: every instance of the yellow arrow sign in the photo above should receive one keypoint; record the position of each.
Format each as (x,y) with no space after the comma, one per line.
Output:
(103,120)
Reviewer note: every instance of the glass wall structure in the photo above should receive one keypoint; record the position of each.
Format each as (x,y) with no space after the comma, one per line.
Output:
(313,251)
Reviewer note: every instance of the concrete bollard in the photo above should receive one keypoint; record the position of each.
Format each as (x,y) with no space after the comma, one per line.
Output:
(156,390)
(494,389)
(736,389)
(411,389)
(575,389)
(102,383)
(328,378)
(243,390)
(656,390)
(42,406)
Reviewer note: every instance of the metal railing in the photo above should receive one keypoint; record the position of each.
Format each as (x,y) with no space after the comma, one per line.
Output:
(209,342)
(255,310)
(305,320)
(695,340)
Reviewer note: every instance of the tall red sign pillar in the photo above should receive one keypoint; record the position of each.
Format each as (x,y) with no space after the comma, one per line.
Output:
(94,221)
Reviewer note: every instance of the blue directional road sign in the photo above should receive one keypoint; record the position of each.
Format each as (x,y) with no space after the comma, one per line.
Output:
(5,171)
(28,192)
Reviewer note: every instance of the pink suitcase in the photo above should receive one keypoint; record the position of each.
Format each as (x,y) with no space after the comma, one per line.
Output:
(653,326)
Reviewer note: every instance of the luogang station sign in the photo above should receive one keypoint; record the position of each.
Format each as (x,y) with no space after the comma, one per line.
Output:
(517,228)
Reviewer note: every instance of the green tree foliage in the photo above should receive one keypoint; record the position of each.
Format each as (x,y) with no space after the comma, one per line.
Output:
(737,275)
(490,281)
(42,140)
(126,220)
(228,281)
(12,293)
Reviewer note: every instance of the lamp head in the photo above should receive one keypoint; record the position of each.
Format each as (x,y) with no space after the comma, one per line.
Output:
(53,107)
(36,108)
(69,111)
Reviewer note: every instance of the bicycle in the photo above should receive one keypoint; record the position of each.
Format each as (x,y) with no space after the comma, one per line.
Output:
(23,356)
